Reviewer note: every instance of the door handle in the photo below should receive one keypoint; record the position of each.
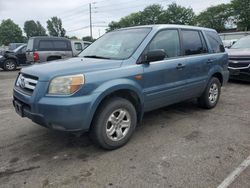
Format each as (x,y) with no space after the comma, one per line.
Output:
(180,66)
(210,61)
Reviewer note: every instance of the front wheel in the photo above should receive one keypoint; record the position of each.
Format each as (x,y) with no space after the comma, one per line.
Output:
(211,95)
(10,65)
(114,123)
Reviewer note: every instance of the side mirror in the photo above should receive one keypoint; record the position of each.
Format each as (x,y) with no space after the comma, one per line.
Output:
(154,55)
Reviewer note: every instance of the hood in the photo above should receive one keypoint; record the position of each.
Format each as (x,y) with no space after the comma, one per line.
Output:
(239,52)
(77,65)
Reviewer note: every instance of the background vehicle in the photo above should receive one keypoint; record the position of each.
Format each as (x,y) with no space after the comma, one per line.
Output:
(13,46)
(41,49)
(229,39)
(78,46)
(11,59)
(109,86)
(239,59)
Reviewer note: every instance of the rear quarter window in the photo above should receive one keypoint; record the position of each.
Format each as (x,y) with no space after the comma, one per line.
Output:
(54,45)
(45,45)
(215,42)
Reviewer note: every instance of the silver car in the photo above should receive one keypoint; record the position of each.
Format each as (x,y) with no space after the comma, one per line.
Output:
(41,49)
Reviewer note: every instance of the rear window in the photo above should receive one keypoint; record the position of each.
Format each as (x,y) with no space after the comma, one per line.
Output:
(193,42)
(30,45)
(54,45)
(215,42)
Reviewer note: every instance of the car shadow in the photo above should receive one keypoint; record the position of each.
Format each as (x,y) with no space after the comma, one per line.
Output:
(39,145)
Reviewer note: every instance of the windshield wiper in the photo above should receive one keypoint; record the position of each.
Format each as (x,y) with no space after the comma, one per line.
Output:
(95,56)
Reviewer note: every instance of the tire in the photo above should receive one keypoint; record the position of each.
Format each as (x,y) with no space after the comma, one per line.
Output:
(53,58)
(211,95)
(108,130)
(9,65)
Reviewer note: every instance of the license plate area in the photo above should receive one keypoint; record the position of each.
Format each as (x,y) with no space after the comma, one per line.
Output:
(18,107)
(235,72)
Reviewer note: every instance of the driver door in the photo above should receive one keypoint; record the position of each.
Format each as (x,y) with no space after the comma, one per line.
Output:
(164,81)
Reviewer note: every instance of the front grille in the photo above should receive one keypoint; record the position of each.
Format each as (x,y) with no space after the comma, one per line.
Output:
(239,62)
(26,83)
(239,65)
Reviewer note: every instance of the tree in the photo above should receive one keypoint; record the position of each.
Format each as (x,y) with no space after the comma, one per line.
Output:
(32,28)
(176,14)
(155,14)
(55,28)
(10,32)
(150,15)
(242,13)
(216,17)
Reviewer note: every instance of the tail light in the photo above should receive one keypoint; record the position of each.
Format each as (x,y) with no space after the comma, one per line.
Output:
(36,56)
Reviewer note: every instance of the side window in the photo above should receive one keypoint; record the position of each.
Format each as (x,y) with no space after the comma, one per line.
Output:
(78,46)
(45,45)
(215,42)
(192,42)
(167,40)
(60,45)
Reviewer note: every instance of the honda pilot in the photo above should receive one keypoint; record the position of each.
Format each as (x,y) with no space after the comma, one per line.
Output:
(111,84)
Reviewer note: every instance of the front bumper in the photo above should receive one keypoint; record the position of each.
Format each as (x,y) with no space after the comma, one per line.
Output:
(59,113)
(240,74)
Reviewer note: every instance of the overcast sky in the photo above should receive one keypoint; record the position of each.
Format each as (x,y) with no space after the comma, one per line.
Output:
(75,13)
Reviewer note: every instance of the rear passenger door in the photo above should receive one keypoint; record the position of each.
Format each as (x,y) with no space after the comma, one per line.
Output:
(164,80)
(197,61)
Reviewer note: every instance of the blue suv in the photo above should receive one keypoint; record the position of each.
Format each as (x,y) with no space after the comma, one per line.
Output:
(125,73)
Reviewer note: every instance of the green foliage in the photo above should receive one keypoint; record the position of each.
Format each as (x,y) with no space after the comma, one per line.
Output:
(242,13)
(55,28)
(32,28)
(216,17)
(155,14)
(176,14)
(10,33)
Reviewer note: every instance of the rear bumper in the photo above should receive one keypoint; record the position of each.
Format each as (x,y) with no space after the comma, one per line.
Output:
(58,113)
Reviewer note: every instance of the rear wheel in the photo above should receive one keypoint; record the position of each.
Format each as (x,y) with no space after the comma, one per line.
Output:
(211,95)
(10,65)
(114,123)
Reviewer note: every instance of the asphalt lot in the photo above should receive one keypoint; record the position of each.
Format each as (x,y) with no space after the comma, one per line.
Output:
(177,146)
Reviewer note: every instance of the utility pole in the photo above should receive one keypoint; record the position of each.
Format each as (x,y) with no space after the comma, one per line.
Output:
(90,20)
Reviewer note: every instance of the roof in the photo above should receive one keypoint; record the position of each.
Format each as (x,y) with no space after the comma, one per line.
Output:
(162,26)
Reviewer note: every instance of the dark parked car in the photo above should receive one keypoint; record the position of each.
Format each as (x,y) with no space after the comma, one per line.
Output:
(239,59)
(125,73)
(11,59)
(42,49)
(13,46)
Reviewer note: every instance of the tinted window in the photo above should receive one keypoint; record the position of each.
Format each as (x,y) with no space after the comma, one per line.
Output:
(215,42)
(45,45)
(78,46)
(192,43)
(167,40)
(62,45)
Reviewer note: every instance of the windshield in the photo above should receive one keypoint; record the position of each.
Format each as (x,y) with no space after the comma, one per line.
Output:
(119,44)
(18,48)
(242,43)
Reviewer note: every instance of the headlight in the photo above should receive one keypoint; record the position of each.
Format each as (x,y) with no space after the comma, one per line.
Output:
(1,56)
(66,85)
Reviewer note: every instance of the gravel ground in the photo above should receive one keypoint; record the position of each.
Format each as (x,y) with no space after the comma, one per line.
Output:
(177,146)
